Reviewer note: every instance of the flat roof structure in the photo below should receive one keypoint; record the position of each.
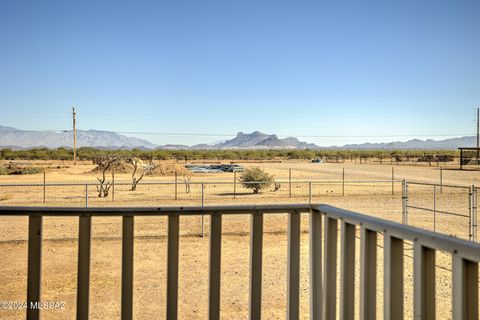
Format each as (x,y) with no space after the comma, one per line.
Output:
(464,160)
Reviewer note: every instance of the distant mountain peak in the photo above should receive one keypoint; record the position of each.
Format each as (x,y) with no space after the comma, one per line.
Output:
(258,140)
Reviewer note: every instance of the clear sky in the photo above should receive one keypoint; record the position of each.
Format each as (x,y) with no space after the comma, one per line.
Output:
(329,72)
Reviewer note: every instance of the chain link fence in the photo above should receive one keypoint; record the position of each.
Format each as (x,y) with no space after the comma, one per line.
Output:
(448,209)
(381,198)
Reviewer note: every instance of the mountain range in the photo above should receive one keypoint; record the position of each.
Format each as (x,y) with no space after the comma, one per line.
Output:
(24,139)
(447,144)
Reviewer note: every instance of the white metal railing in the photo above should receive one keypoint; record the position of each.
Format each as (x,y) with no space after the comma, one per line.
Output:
(323,261)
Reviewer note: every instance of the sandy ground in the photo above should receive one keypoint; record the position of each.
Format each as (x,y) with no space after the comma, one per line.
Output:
(65,171)
(60,244)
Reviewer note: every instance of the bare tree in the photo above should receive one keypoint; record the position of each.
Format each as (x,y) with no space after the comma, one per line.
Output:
(134,161)
(276,185)
(104,187)
(186,179)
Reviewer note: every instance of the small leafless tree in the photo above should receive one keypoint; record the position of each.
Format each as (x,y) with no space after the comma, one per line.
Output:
(186,180)
(134,161)
(276,186)
(105,164)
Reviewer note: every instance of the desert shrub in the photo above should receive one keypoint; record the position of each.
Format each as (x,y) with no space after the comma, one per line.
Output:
(31,170)
(256,179)
(3,171)
(15,169)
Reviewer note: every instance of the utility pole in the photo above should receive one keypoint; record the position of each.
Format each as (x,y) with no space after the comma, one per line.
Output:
(478,136)
(74,115)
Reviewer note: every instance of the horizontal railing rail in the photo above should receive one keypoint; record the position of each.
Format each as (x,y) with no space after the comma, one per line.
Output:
(147,211)
(323,261)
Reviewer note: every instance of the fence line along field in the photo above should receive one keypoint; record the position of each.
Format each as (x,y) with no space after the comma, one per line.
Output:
(367,188)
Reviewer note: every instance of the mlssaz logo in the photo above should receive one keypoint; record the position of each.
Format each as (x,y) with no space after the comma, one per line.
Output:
(47,305)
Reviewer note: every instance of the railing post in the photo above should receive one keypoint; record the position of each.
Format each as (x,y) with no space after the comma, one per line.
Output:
(423,282)
(34,282)
(256,247)
(127,268)
(172,266)
(368,272)
(393,277)
(464,288)
(83,271)
(343,181)
(330,274)
(315,265)
(347,272)
(215,265)
(293,272)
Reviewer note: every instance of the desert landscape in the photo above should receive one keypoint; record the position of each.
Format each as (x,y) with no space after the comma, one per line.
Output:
(365,188)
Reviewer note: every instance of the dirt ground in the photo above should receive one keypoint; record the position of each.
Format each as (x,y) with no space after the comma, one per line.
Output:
(65,171)
(60,244)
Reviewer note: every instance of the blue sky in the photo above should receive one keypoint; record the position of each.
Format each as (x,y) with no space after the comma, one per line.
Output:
(331,72)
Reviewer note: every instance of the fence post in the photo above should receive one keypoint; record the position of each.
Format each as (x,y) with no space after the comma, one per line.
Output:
(203,194)
(474,214)
(404,201)
(441,180)
(393,179)
(234,184)
(290,182)
(203,218)
(86,195)
(44,188)
(471,211)
(113,186)
(176,184)
(434,207)
(309,192)
(343,181)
